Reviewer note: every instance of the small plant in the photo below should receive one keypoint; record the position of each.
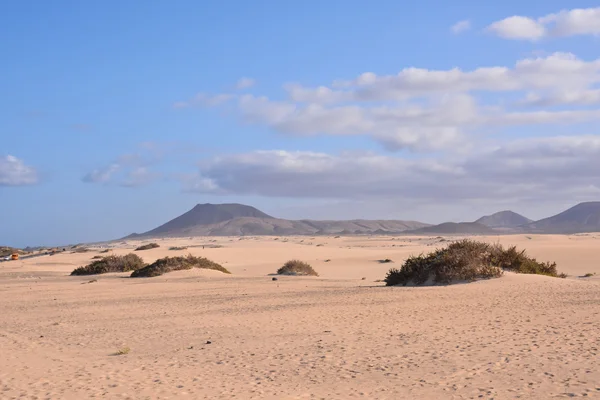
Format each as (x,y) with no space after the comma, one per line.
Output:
(177,248)
(168,264)
(105,251)
(588,275)
(129,262)
(97,257)
(385,261)
(122,351)
(297,267)
(467,260)
(147,246)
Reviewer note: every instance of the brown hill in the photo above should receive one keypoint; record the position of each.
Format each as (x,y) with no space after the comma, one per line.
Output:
(584,217)
(238,219)
(455,228)
(504,219)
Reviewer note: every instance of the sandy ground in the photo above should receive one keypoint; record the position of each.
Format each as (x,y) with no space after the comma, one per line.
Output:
(337,336)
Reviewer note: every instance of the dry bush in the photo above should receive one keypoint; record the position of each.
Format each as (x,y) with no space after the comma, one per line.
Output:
(178,248)
(467,260)
(168,264)
(128,262)
(122,351)
(147,246)
(297,267)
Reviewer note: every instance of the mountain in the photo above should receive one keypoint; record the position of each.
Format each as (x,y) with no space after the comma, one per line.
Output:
(448,228)
(207,214)
(239,219)
(584,217)
(504,219)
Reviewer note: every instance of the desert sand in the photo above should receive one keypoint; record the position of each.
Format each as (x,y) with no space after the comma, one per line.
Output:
(206,335)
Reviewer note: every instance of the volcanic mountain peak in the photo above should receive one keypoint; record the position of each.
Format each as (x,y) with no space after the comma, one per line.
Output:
(208,214)
(584,217)
(504,219)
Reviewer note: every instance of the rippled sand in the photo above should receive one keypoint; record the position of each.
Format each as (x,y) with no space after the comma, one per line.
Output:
(335,336)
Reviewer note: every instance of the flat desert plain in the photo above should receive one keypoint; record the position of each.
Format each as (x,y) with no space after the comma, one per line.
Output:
(201,334)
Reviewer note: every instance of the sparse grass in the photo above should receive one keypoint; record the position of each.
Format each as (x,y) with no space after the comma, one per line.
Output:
(177,248)
(168,264)
(80,250)
(122,351)
(297,267)
(128,262)
(147,246)
(467,260)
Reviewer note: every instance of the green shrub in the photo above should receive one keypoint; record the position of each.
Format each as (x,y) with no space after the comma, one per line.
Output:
(147,246)
(168,264)
(177,248)
(129,262)
(467,260)
(297,267)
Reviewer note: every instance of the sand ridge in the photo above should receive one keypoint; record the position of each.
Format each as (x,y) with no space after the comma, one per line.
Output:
(335,336)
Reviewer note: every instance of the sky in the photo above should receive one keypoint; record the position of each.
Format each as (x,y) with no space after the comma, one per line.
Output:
(117,116)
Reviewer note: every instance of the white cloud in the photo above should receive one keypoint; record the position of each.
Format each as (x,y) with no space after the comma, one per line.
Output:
(579,21)
(245,83)
(531,169)
(101,175)
(563,97)
(461,26)
(424,110)
(554,71)
(128,170)
(14,172)
(517,27)
(139,176)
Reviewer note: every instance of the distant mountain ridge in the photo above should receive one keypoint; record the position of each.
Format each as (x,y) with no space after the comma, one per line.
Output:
(455,228)
(584,217)
(238,219)
(504,219)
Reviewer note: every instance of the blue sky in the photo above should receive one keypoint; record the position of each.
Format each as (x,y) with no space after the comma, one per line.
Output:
(117,116)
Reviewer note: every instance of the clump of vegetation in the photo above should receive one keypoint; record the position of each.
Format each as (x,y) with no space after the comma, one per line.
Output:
(122,351)
(147,246)
(97,257)
(128,262)
(177,248)
(588,275)
(105,251)
(385,261)
(297,267)
(80,250)
(168,264)
(467,260)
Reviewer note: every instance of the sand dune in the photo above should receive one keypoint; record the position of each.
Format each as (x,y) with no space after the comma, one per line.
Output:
(335,337)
